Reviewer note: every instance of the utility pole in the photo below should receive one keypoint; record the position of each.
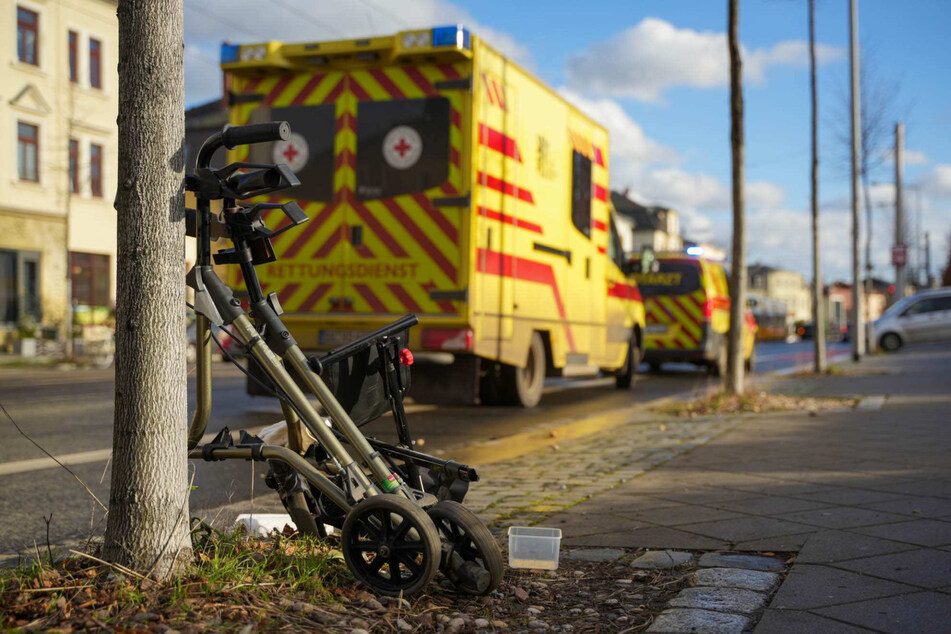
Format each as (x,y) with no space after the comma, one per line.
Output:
(927,260)
(734,379)
(899,212)
(858,330)
(818,320)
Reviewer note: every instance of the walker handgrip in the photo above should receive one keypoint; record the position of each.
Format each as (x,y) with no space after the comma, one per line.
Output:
(232,136)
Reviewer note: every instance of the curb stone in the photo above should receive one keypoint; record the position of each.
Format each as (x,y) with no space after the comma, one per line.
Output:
(662,559)
(736,578)
(747,562)
(686,621)
(720,600)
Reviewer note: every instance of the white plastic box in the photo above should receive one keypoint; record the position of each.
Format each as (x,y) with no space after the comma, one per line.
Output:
(534,547)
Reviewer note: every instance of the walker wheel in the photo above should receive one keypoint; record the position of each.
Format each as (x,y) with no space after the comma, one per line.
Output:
(390,545)
(470,555)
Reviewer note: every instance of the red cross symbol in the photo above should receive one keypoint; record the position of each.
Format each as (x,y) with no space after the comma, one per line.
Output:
(402,147)
(290,152)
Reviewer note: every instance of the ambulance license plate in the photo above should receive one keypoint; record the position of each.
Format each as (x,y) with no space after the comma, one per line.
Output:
(337,338)
(656,329)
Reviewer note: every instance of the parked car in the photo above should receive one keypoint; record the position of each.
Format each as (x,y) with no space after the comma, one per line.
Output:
(920,318)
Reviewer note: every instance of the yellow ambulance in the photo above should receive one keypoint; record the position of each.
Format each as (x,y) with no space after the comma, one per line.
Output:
(687,305)
(442,179)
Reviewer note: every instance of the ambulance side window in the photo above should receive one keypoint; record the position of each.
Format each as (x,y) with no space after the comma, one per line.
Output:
(581,192)
(402,146)
(615,250)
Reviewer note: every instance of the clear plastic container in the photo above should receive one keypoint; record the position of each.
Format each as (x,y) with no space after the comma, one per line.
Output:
(534,547)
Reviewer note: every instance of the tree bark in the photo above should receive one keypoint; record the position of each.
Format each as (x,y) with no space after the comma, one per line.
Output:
(147,529)
(818,304)
(734,378)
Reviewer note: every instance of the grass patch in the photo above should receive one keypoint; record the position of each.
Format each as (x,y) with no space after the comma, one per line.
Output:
(232,579)
(722,403)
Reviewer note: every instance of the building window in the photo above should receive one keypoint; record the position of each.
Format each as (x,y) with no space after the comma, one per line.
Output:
(28,36)
(581,192)
(95,170)
(73,56)
(28,137)
(95,63)
(89,275)
(19,286)
(73,166)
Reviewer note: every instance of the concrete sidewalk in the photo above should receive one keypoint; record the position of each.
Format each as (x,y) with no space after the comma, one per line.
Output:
(862,497)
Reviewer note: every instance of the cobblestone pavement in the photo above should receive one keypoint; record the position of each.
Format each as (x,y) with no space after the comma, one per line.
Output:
(531,488)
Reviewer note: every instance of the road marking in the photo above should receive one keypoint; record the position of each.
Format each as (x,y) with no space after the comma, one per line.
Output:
(871,403)
(81,457)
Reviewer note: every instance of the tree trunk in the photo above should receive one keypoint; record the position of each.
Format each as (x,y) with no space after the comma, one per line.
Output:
(734,378)
(148,527)
(818,303)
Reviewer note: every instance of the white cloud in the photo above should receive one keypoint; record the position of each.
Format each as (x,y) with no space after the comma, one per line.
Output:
(764,194)
(938,181)
(909,157)
(306,21)
(628,140)
(653,56)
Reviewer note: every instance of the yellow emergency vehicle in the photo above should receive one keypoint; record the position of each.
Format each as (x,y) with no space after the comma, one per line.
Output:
(687,305)
(443,180)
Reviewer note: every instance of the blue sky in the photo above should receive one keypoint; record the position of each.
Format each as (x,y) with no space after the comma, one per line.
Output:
(654,73)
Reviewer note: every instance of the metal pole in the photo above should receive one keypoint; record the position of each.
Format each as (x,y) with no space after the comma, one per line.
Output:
(818,308)
(927,260)
(858,331)
(899,210)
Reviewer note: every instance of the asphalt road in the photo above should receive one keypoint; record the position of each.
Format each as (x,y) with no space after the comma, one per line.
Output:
(70,413)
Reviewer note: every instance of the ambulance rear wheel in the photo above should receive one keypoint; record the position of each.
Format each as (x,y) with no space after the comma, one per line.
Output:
(625,375)
(523,386)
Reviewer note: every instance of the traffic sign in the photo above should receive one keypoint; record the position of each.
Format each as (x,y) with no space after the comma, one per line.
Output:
(899,255)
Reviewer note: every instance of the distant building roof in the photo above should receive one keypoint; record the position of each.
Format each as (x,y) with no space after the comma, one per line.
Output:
(212,114)
(644,218)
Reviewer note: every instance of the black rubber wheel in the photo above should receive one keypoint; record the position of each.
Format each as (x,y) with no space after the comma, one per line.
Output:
(654,366)
(471,558)
(390,545)
(890,342)
(625,376)
(524,386)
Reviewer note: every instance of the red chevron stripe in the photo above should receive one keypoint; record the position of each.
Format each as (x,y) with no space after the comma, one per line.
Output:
(386,83)
(252,85)
(277,90)
(449,72)
(346,121)
(358,90)
(602,250)
(601,193)
(502,143)
(308,88)
(311,300)
(441,221)
(421,238)
(485,212)
(598,157)
(506,188)
(444,305)
(285,293)
(420,80)
(600,226)
(364,252)
(370,297)
(379,230)
(333,240)
(454,156)
(335,91)
(496,263)
(347,158)
(447,188)
(624,291)
(304,236)
(456,118)
(405,298)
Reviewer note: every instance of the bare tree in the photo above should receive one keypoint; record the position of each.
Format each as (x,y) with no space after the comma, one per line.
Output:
(147,529)
(734,378)
(818,320)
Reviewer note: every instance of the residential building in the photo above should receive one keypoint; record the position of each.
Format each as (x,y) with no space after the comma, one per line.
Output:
(641,227)
(788,287)
(839,298)
(58,145)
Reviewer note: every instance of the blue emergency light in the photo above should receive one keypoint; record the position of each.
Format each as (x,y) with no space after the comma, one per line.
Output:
(229,53)
(456,36)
